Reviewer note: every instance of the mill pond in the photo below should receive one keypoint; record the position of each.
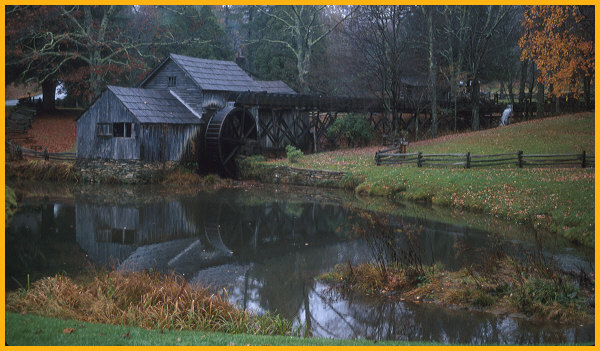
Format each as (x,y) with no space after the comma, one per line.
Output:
(266,247)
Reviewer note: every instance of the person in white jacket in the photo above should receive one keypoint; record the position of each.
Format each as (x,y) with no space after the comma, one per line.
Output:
(506,115)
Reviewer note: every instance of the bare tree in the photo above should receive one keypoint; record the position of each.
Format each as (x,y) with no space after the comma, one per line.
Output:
(482,22)
(380,40)
(306,30)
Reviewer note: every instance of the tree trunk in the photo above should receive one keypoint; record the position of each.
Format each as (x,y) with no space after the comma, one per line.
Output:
(511,94)
(540,100)
(432,78)
(49,97)
(522,82)
(587,93)
(532,83)
(475,103)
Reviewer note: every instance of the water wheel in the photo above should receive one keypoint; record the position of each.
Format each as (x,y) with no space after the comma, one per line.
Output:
(227,132)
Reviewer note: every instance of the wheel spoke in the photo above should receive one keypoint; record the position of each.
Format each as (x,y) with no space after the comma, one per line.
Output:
(247,134)
(231,154)
(242,125)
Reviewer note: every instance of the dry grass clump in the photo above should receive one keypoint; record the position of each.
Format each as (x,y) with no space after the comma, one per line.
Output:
(371,279)
(181,176)
(42,170)
(141,299)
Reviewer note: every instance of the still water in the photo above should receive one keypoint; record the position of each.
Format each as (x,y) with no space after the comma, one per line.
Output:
(266,246)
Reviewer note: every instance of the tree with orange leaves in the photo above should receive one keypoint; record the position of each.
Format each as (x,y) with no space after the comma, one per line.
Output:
(560,40)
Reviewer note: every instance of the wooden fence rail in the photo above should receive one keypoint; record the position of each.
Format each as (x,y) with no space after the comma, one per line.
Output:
(466,160)
(18,152)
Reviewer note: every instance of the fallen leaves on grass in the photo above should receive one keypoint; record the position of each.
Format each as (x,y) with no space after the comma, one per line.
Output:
(57,132)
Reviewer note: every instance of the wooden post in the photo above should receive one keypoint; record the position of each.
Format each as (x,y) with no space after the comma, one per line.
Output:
(468,165)
(520,157)
(583,159)
(46,155)
(377,160)
(420,159)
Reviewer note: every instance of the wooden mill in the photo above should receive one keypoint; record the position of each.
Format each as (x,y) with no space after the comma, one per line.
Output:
(189,109)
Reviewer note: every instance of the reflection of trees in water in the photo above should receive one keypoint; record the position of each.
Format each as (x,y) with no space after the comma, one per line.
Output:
(412,241)
(40,241)
(370,319)
(378,320)
(285,284)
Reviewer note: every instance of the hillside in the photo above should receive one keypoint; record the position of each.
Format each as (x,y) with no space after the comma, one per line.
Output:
(557,199)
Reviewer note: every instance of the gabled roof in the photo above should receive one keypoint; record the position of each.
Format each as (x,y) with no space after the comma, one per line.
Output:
(275,87)
(220,75)
(211,74)
(154,106)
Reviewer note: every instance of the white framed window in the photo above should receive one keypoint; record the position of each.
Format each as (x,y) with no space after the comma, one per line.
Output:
(104,129)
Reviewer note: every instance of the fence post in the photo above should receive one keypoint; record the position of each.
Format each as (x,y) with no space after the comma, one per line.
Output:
(46,155)
(520,157)
(377,161)
(583,159)
(419,159)
(468,165)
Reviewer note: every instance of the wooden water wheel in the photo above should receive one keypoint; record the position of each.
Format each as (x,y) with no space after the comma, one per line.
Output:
(227,132)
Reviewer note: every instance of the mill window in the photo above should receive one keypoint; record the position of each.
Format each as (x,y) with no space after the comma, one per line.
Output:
(104,129)
(122,130)
(172,81)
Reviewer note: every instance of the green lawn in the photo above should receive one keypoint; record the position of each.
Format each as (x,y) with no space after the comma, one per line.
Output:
(558,199)
(35,330)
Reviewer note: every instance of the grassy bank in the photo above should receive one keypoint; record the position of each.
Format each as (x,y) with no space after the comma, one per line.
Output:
(557,199)
(36,330)
(66,172)
(140,299)
(42,170)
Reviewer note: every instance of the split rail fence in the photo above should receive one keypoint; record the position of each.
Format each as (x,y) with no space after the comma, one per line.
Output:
(18,152)
(392,156)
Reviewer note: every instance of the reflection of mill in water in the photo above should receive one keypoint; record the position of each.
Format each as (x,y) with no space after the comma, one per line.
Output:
(188,235)
(156,235)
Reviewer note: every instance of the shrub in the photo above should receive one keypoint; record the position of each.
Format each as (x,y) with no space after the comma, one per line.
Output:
(293,153)
(10,204)
(355,129)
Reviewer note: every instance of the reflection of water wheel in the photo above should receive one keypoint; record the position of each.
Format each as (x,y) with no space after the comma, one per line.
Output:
(228,130)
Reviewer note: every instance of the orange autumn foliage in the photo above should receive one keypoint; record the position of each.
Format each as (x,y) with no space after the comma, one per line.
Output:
(556,39)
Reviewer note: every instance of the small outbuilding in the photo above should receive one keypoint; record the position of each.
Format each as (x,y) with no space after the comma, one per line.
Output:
(139,124)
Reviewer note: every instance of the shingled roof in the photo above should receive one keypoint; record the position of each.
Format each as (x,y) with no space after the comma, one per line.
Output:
(275,87)
(154,106)
(216,75)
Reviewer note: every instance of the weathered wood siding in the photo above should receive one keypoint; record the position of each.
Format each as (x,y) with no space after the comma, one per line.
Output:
(185,88)
(214,98)
(107,109)
(170,142)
